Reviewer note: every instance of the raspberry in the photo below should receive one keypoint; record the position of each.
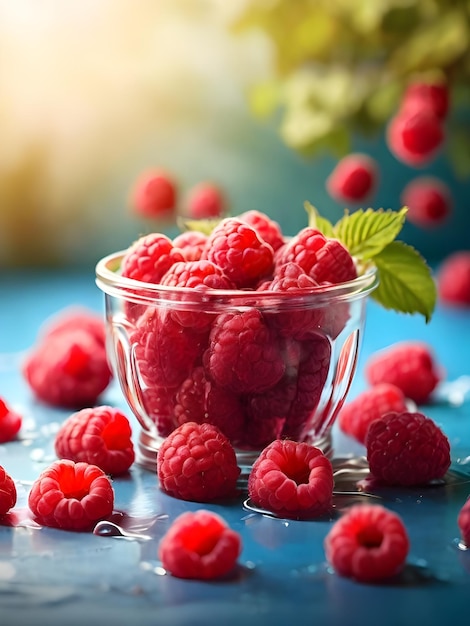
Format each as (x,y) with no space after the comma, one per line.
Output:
(267,229)
(10,422)
(75,318)
(409,365)
(199,545)
(154,195)
(158,403)
(415,138)
(428,200)
(100,436)
(197,462)
(68,369)
(432,96)
(368,543)
(243,354)
(353,179)
(240,252)
(463,521)
(356,416)
(8,493)
(292,480)
(453,279)
(205,200)
(149,258)
(407,449)
(71,496)
(322,258)
(191,243)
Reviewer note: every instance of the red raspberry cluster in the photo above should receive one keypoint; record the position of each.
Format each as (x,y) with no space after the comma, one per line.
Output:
(257,374)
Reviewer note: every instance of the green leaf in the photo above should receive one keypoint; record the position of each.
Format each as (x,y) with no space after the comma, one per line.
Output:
(315,220)
(205,226)
(406,283)
(367,233)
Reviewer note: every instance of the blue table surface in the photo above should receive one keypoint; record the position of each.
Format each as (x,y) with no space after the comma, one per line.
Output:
(49,576)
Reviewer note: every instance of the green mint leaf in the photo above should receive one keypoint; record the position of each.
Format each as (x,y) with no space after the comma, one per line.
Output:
(406,283)
(366,233)
(315,220)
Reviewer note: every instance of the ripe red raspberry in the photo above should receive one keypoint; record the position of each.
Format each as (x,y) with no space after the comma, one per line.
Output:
(292,479)
(432,96)
(68,369)
(149,258)
(415,138)
(267,229)
(73,318)
(8,492)
(356,416)
(10,422)
(407,449)
(71,496)
(100,436)
(205,200)
(191,243)
(158,403)
(369,543)
(199,545)
(463,522)
(409,365)
(428,200)
(322,258)
(243,353)
(154,195)
(197,462)
(353,179)
(453,279)
(240,252)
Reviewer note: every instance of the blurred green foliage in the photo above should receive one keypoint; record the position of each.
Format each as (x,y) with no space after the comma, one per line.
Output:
(341,66)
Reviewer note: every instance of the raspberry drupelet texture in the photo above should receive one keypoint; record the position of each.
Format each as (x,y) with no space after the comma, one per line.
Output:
(149,258)
(409,365)
(191,243)
(453,279)
(369,543)
(10,422)
(197,462)
(8,493)
(71,496)
(407,449)
(353,179)
(463,522)
(199,545)
(267,229)
(429,201)
(154,195)
(100,436)
(356,416)
(291,479)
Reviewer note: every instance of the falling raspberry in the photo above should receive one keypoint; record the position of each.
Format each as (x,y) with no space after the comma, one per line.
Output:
(154,195)
(453,279)
(10,422)
(206,200)
(199,545)
(429,201)
(353,179)
(415,138)
(100,436)
(407,449)
(8,493)
(369,543)
(292,480)
(71,496)
(463,521)
(197,462)
(433,96)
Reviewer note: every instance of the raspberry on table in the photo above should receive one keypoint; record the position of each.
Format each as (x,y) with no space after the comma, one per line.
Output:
(73,318)
(353,179)
(356,415)
(409,365)
(191,243)
(10,422)
(292,480)
(415,138)
(453,279)
(407,449)
(463,522)
(154,195)
(429,201)
(149,258)
(240,252)
(8,494)
(100,436)
(197,462)
(368,543)
(268,229)
(199,545)
(205,200)
(71,496)
(243,354)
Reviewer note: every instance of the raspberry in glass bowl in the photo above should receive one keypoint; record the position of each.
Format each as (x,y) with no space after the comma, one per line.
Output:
(260,340)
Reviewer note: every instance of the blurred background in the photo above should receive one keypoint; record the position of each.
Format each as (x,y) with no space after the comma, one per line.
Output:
(261,97)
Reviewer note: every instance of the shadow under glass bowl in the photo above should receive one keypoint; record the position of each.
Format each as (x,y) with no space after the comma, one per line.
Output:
(259,365)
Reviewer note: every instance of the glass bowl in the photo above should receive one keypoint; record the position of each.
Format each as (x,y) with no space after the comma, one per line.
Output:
(260,365)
